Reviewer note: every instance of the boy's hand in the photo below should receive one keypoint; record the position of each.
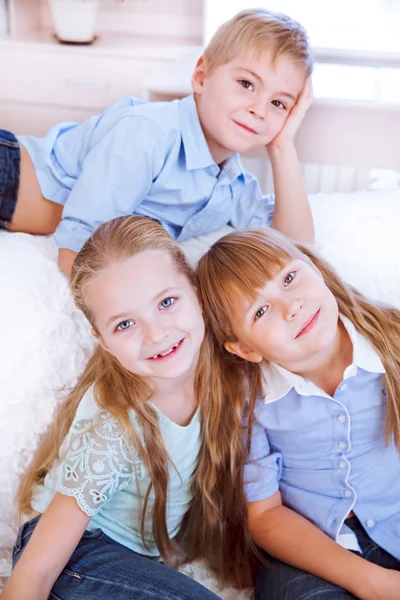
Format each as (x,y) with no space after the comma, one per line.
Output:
(296,115)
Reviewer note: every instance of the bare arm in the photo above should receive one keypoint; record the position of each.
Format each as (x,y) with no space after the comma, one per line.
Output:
(54,540)
(292,214)
(294,540)
(65,259)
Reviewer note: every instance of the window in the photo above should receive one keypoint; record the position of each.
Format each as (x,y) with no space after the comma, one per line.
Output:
(361,27)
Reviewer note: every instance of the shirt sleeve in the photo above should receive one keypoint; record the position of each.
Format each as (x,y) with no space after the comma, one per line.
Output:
(116,175)
(251,208)
(97,463)
(263,469)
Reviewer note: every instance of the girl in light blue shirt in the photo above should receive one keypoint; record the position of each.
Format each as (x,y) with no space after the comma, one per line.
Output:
(322,478)
(144,455)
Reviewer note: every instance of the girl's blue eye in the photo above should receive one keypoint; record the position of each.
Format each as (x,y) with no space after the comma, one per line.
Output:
(261,311)
(124,325)
(288,278)
(167,302)
(246,84)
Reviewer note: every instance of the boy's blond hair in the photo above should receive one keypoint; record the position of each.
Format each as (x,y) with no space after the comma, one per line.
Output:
(258,30)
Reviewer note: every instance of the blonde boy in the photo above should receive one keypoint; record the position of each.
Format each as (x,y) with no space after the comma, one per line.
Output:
(175,162)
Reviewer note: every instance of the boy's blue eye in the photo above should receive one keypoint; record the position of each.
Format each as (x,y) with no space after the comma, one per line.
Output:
(124,325)
(246,84)
(261,311)
(167,302)
(278,104)
(288,278)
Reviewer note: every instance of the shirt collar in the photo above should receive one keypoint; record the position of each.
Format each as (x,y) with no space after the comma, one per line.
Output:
(364,354)
(278,381)
(232,168)
(197,153)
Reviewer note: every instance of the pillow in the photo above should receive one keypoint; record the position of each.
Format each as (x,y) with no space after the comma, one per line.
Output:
(358,234)
(383,179)
(45,343)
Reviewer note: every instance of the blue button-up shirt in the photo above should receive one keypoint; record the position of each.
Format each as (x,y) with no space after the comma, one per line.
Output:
(327,455)
(142,158)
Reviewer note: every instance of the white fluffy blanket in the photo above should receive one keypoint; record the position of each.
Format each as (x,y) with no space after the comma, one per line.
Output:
(45,341)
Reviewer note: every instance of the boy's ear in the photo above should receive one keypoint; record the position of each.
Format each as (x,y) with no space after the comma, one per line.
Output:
(100,340)
(243,351)
(200,74)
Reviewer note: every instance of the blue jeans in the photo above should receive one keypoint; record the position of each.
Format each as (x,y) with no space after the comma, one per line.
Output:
(102,569)
(278,581)
(10,158)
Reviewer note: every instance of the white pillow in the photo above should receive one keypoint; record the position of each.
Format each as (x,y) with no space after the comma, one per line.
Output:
(384,179)
(358,234)
(45,343)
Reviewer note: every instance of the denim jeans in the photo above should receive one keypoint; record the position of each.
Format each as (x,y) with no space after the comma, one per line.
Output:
(278,581)
(102,569)
(10,158)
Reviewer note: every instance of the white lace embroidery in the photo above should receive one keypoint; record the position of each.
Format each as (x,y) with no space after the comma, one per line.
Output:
(97,463)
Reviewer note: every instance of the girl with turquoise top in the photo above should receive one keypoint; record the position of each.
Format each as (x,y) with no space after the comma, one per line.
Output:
(143,460)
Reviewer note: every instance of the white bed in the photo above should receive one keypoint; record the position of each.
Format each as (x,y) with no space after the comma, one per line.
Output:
(45,341)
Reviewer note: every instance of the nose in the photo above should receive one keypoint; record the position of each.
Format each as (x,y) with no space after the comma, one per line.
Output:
(292,308)
(154,333)
(258,109)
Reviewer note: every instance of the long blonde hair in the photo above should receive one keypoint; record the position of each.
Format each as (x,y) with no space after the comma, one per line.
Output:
(214,527)
(257,30)
(242,262)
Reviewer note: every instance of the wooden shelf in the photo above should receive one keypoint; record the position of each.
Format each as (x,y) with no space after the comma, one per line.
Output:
(106,44)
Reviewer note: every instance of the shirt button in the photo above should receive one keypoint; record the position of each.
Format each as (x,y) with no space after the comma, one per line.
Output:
(341,419)
(342,445)
(342,464)
(191,227)
(370,523)
(343,387)
(348,493)
(352,370)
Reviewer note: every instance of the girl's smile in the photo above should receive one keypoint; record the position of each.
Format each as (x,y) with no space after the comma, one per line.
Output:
(169,352)
(293,321)
(148,316)
(309,324)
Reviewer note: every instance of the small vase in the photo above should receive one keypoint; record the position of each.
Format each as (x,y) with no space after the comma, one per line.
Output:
(74,21)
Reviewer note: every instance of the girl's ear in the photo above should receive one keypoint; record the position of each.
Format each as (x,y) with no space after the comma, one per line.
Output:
(100,340)
(243,351)
(200,74)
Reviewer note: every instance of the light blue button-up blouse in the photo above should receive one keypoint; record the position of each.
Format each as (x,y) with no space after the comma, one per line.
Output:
(327,455)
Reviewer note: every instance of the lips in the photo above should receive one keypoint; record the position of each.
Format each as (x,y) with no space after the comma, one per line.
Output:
(308,325)
(246,128)
(167,351)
